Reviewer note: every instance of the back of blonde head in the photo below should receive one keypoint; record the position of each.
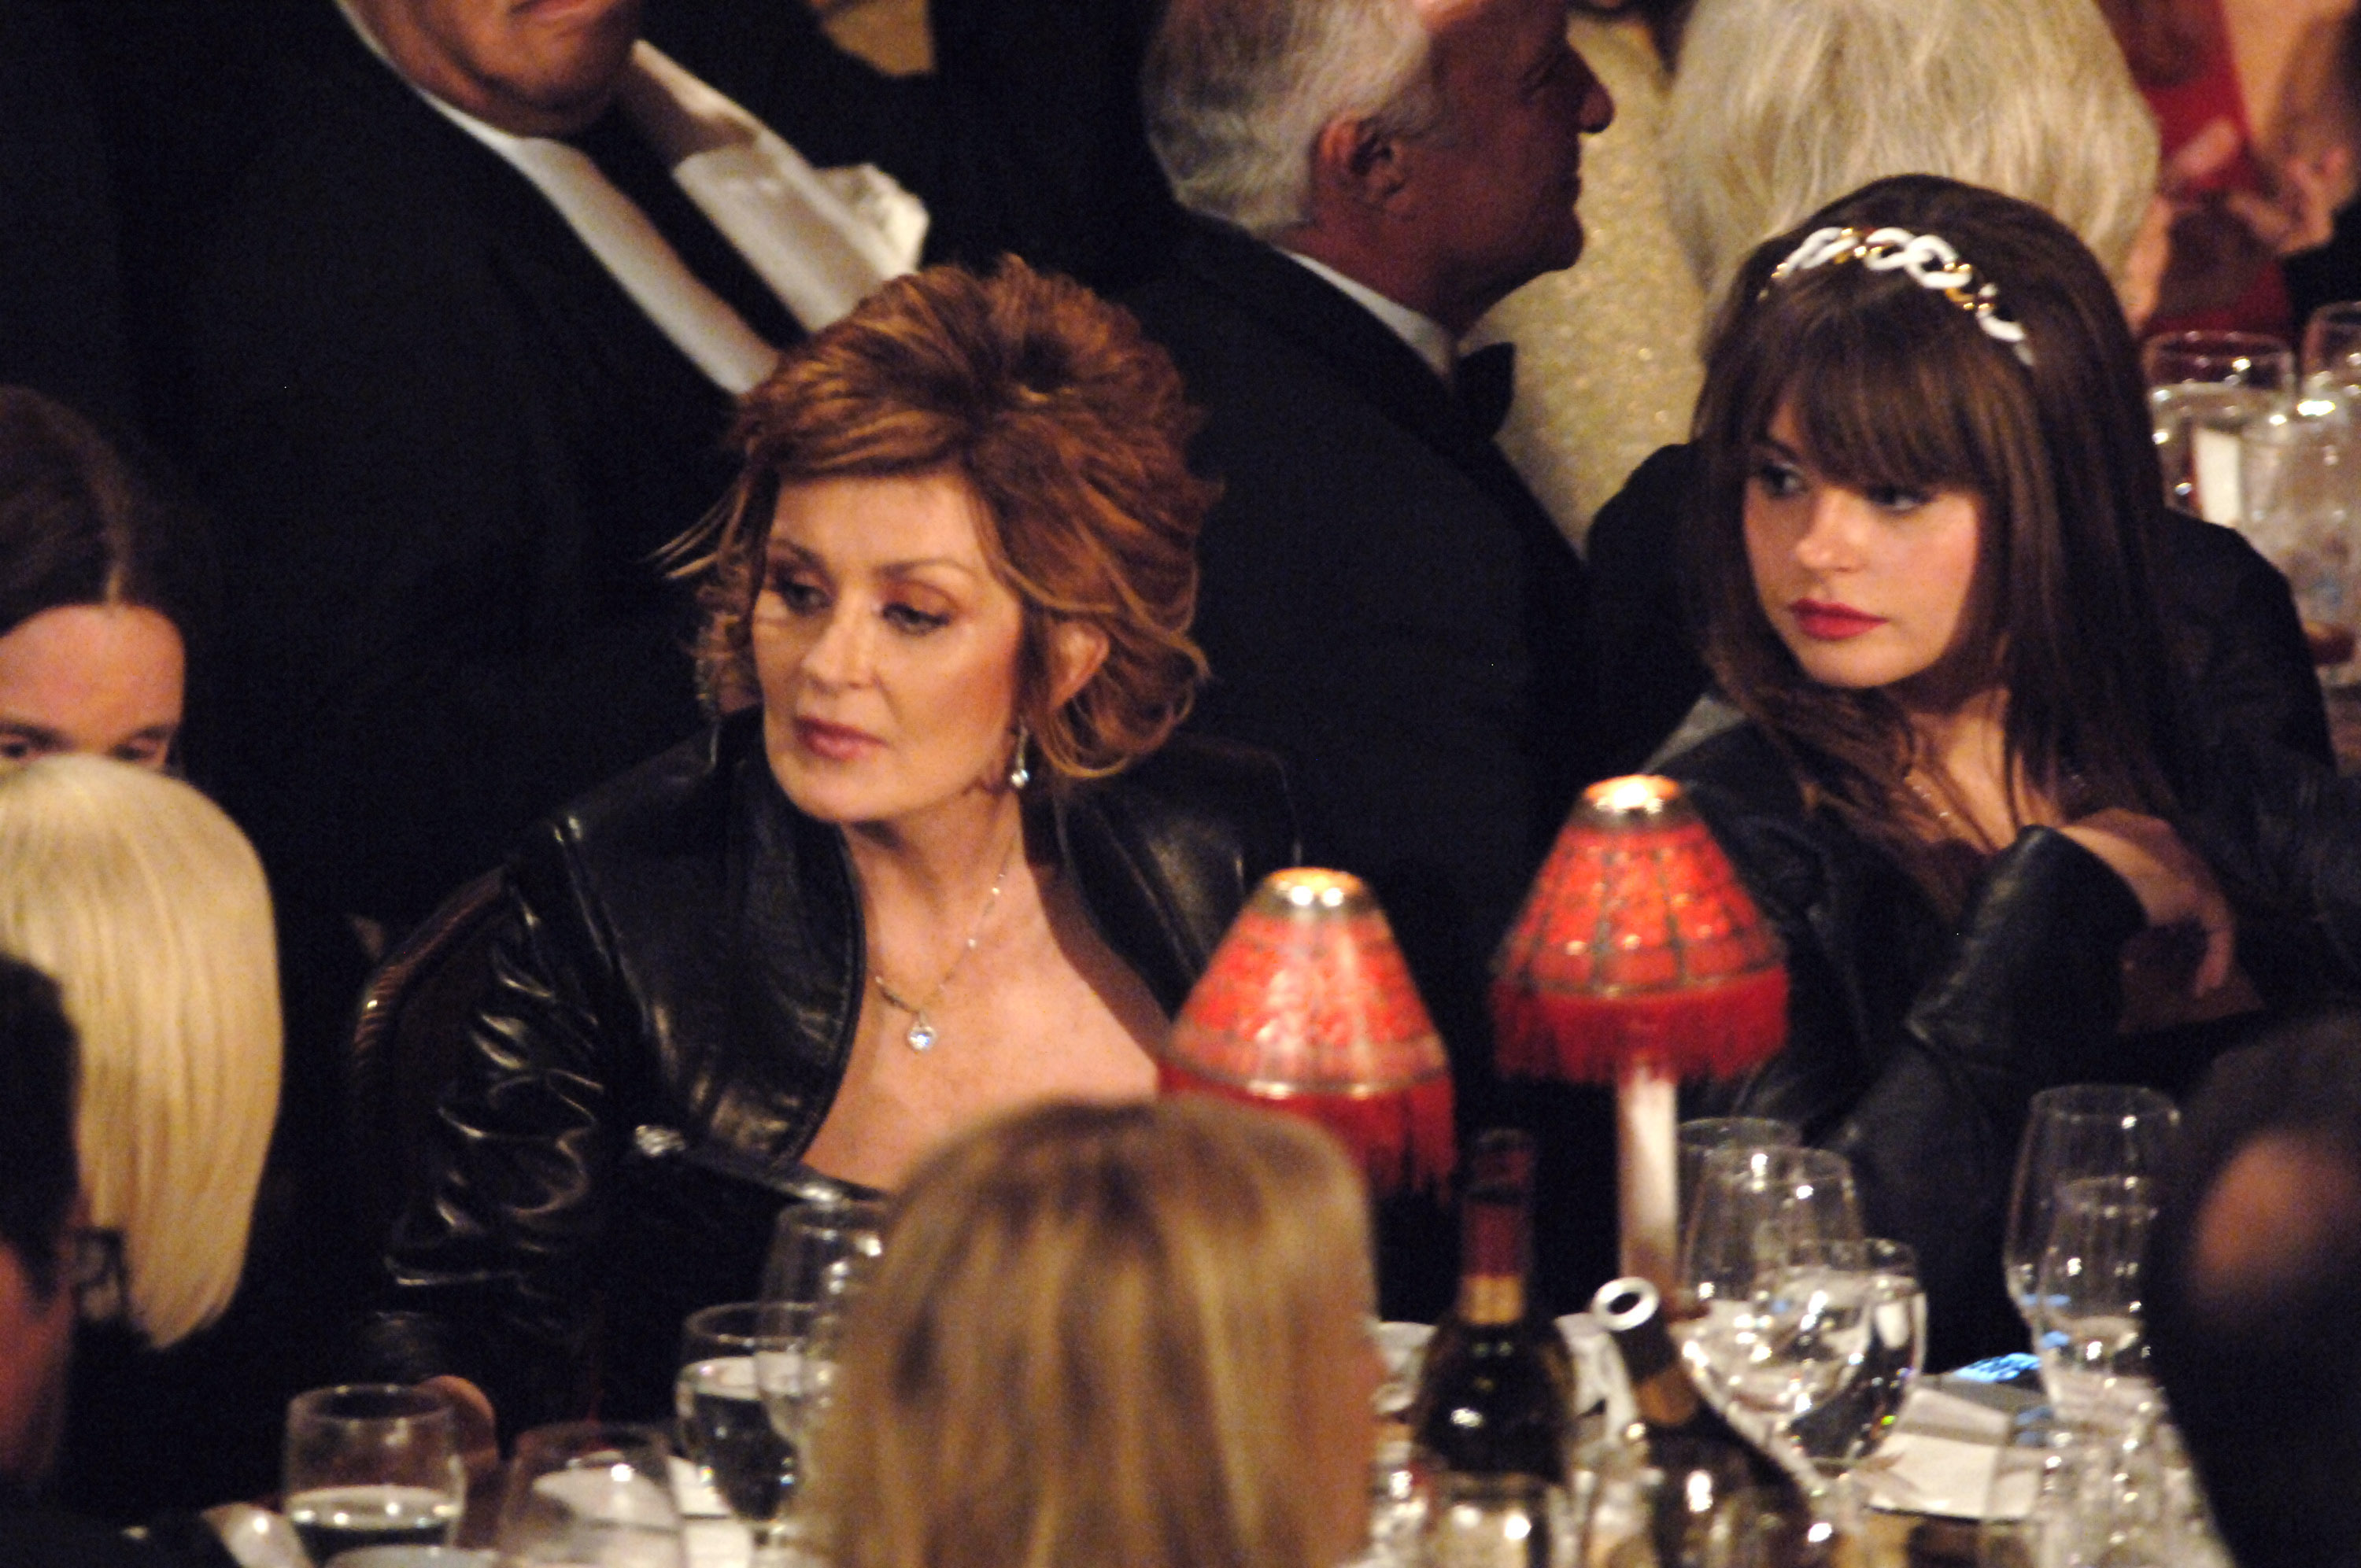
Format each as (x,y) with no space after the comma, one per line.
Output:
(148,908)
(1091,1342)
(1781,107)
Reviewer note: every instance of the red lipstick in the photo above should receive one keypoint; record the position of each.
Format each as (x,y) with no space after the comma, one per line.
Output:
(833,742)
(1825,622)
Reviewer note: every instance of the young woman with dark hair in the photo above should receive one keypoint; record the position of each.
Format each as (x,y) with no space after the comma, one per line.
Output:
(1969,784)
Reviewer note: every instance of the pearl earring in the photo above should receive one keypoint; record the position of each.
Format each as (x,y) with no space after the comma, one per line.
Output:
(1019,775)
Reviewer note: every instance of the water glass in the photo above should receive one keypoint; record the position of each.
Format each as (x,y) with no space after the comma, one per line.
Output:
(2300,480)
(2203,388)
(725,1429)
(372,1465)
(2077,1129)
(596,1493)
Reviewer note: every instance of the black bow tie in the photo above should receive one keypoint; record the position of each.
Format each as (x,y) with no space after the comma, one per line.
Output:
(1484,383)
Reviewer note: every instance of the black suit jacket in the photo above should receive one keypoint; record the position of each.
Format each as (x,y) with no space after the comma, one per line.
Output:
(443,445)
(1385,604)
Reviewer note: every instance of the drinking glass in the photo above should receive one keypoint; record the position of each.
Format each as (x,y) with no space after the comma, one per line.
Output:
(725,1429)
(2090,1294)
(1496,1522)
(2079,1129)
(2301,479)
(1892,1351)
(1772,1266)
(372,1465)
(2204,387)
(1700,1136)
(822,1254)
(595,1493)
(2332,350)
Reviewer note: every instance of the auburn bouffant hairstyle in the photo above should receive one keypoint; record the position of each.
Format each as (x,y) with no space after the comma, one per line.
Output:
(1071,429)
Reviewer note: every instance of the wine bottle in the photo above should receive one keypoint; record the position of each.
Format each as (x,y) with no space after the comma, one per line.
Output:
(1493,1398)
(1719,1500)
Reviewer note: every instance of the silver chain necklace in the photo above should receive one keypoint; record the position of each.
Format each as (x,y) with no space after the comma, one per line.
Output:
(921,1035)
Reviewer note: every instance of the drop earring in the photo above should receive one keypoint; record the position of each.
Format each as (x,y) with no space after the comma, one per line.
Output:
(1019,775)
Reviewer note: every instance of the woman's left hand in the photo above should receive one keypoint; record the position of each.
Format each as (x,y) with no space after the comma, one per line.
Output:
(2173,884)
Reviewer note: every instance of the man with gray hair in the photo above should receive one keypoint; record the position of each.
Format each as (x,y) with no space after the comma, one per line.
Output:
(1383,601)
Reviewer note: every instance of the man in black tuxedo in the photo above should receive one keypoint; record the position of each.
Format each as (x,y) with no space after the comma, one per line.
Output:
(1383,601)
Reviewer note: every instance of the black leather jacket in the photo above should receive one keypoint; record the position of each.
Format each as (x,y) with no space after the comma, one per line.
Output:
(674,997)
(1915,1042)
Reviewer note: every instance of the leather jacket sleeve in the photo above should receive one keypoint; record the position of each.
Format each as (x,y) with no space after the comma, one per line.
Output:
(1913,1049)
(488,1264)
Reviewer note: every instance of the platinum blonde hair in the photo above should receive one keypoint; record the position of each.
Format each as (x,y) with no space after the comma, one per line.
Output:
(148,908)
(1781,107)
(1238,91)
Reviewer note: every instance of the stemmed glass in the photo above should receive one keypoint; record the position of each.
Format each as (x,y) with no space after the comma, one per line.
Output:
(1847,1429)
(725,1429)
(2332,350)
(822,1254)
(2077,1130)
(1700,1136)
(2090,1289)
(595,1493)
(372,1465)
(1773,1266)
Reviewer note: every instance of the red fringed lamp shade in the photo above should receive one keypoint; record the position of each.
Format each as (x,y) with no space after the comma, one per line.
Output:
(1308,1007)
(1636,946)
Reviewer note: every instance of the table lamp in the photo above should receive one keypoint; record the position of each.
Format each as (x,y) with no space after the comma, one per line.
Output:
(1639,960)
(1308,1008)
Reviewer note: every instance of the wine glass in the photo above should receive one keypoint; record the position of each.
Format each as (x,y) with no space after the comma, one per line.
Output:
(822,1253)
(2090,1289)
(1700,1136)
(591,1493)
(372,1465)
(2079,1129)
(725,1429)
(2332,350)
(1847,1429)
(1772,1266)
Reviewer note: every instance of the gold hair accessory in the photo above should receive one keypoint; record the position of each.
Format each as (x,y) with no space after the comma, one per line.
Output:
(1930,262)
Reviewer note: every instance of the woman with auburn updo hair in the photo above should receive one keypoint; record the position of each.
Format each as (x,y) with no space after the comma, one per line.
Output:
(938,858)
(1101,1334)
(1969,785)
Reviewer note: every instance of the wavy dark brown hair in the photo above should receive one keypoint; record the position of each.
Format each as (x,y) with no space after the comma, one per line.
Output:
(1071,430)
(1891,383)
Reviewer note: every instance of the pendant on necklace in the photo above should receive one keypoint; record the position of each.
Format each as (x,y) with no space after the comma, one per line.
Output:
(922,1034)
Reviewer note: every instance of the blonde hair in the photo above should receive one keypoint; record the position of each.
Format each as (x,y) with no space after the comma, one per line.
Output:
(147,907)
(1089,1345)
(1781,107)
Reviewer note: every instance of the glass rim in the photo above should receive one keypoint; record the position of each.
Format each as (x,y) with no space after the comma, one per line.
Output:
(2099,1099)
(384,1402)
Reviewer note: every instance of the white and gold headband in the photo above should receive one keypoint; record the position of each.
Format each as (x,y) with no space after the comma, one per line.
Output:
(1928,259)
